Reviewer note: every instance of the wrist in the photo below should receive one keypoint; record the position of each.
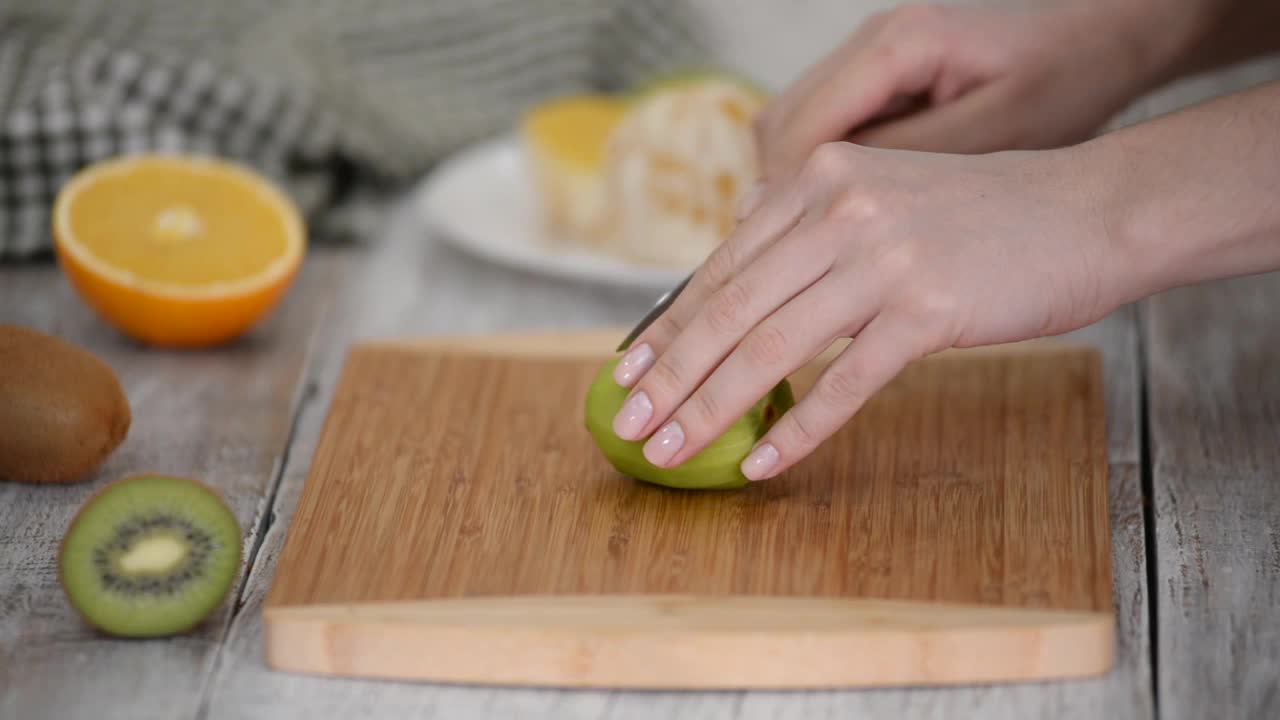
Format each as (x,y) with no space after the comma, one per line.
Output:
(1111,229)
(1187,197)
(1118,224)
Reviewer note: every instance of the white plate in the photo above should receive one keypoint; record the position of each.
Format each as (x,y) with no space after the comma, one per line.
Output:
(482,201)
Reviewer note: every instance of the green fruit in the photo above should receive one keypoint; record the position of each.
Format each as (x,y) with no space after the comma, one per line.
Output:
(716,467)
(150,556)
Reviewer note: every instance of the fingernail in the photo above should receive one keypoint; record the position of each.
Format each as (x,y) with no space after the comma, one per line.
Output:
(633,364)
(749,201)
(633,416)
(664,444)
(760,462)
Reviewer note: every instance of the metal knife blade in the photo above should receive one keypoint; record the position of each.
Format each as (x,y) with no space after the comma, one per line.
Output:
(659,307)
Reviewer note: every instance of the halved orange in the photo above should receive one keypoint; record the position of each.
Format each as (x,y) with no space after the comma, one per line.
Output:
(177,250)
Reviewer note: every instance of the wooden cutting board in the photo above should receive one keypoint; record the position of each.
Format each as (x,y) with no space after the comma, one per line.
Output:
(459,525)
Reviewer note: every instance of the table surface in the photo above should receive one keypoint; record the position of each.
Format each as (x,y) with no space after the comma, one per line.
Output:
(1193,400)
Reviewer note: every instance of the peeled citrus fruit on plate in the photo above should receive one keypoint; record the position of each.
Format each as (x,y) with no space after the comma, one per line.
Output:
(695,75)
(177,250)
(566,138)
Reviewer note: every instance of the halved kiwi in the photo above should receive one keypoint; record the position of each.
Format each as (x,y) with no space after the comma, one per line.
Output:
(150,555)
(716,467)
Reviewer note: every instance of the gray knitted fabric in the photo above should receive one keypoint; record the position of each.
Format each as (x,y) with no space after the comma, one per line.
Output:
(321,95)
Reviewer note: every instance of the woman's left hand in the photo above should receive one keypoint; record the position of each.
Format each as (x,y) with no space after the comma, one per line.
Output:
(907,253)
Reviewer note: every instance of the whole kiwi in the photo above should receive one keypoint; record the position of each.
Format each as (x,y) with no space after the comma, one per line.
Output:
(62,410)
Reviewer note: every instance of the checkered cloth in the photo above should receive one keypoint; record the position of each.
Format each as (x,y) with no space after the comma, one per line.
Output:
(329,98)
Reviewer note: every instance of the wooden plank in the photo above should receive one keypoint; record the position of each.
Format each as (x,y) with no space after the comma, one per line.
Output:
(413,286)
(222,416)
(1215,449)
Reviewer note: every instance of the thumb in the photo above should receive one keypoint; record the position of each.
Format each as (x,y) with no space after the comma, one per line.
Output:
(977,122)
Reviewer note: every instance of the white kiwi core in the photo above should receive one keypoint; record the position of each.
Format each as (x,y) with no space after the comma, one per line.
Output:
(154,554)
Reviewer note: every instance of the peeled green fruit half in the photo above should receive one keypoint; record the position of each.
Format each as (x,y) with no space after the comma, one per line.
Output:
(150,556)
(62,410)
(715,467)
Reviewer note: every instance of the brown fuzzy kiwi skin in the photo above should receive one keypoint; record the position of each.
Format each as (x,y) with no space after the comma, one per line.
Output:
(62,410)
(89,501)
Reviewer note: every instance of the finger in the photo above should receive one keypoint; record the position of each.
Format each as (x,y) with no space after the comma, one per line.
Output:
(784,342)
(817,75)
(784,270)
(899,106)
(872,359)
(776,216)
(881,72)
(963,125)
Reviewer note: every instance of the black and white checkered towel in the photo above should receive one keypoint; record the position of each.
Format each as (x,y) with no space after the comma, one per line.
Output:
(326,97)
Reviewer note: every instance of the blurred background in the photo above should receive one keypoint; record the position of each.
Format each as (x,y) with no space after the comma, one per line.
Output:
(361,111)
(338,99)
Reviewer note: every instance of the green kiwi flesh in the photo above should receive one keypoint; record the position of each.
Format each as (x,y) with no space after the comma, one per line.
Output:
(716,467)
(150,556)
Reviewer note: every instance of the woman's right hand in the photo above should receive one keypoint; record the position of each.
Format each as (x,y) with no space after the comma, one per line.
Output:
(973,79)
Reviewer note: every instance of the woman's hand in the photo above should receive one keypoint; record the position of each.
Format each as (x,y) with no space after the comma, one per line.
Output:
(908,253)
(969,79)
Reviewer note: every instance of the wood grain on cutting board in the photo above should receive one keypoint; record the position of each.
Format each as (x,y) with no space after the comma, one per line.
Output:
(459,524)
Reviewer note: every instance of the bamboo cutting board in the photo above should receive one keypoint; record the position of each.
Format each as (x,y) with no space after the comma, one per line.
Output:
(459,525)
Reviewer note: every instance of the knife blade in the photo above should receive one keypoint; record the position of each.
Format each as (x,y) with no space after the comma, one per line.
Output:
(658,308)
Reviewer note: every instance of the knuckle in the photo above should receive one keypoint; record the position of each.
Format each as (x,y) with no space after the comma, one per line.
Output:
(856,206)
(841,388)
(664,379)
(727,307)
(898,260)
(908,34)
(702,409)
(665,326)
(802,433)
(719,267)
(888,50)
(930,306)
(766,346)
(827,162)
(934,315)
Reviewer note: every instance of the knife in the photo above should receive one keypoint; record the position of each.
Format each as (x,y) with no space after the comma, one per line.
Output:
(659,307)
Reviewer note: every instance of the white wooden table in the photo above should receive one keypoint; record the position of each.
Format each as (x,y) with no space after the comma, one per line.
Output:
(1193,398)
(1193,393)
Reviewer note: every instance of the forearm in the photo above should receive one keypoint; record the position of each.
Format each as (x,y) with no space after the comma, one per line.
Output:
(1191,196)
(1164,40)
